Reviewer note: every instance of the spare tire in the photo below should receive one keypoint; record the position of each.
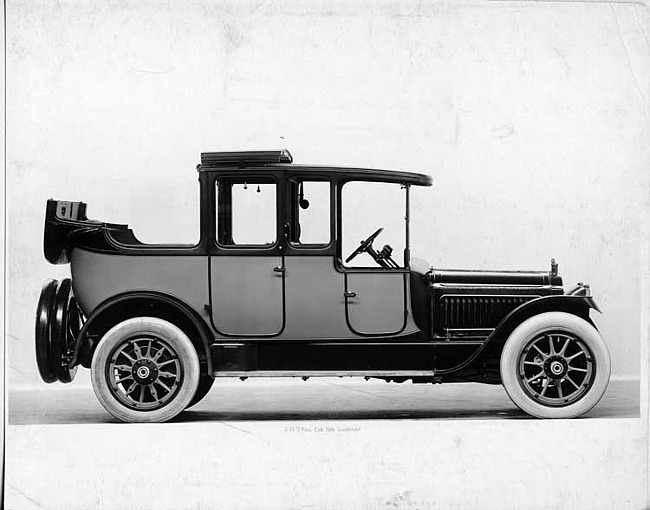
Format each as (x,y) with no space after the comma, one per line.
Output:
(44,348)
(64,329)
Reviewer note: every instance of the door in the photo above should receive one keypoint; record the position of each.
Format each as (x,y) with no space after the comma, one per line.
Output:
(375,277)
(247,295)
(375,302)
(247,271)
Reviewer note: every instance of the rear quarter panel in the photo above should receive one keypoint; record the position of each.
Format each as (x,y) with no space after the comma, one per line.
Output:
(97,277)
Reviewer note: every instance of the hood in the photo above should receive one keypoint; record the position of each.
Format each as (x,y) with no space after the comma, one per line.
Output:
(508,278)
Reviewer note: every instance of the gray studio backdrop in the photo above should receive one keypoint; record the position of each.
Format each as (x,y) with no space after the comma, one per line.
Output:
(532,119)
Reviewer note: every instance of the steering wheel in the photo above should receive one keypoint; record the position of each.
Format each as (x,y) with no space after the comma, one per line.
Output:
(365,244)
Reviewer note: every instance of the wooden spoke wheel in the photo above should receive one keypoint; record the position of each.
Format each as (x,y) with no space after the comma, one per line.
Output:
(145,369)
(555,365)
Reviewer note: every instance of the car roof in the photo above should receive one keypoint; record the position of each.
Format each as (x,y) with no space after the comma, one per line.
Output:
(281,163)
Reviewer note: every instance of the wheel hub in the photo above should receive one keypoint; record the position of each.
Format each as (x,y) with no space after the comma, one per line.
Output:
(555,367)
(144,371)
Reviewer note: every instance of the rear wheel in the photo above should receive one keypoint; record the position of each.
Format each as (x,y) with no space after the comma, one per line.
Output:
(145,369)
(555,365)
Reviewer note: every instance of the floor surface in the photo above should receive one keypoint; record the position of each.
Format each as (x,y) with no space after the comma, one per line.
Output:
(314,399)
(283,444)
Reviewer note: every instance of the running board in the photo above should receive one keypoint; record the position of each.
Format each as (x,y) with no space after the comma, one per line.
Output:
(326,373)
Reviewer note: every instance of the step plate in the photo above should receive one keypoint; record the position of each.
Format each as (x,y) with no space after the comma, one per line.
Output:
(327,373)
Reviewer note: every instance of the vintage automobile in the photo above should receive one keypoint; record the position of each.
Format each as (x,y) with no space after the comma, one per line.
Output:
(270,289)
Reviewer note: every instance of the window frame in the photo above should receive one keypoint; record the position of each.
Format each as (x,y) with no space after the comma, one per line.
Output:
(292,203)
(339,258)
(256,178)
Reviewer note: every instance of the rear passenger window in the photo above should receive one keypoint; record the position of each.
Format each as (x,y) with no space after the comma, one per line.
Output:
(246,213)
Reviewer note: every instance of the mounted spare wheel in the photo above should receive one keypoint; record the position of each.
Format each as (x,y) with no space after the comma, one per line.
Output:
(64,329)
(555,365)
(145,369)
(44,348)
(58,322)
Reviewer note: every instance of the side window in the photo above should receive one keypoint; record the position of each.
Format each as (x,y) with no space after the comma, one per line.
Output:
(246,212)
(310,212)
(367,207)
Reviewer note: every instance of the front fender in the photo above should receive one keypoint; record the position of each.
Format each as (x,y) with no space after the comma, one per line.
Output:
(575,304)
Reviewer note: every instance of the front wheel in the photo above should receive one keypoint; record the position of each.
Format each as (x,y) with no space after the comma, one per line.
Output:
(555,365)
(145,369)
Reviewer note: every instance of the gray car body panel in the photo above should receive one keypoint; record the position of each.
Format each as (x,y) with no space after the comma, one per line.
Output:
(97,277)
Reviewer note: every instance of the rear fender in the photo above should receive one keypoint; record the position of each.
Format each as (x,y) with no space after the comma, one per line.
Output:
(143,303)
(576,305)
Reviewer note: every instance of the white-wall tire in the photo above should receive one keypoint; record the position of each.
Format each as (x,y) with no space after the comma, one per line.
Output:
(544,372)
(145,370)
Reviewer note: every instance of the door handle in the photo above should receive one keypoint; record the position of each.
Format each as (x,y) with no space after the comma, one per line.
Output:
(279,269)
(349,294)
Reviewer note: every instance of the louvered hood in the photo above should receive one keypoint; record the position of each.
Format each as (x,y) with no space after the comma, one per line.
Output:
(477,300)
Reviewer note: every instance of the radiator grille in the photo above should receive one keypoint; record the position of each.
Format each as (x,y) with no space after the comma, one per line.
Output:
(464,312)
